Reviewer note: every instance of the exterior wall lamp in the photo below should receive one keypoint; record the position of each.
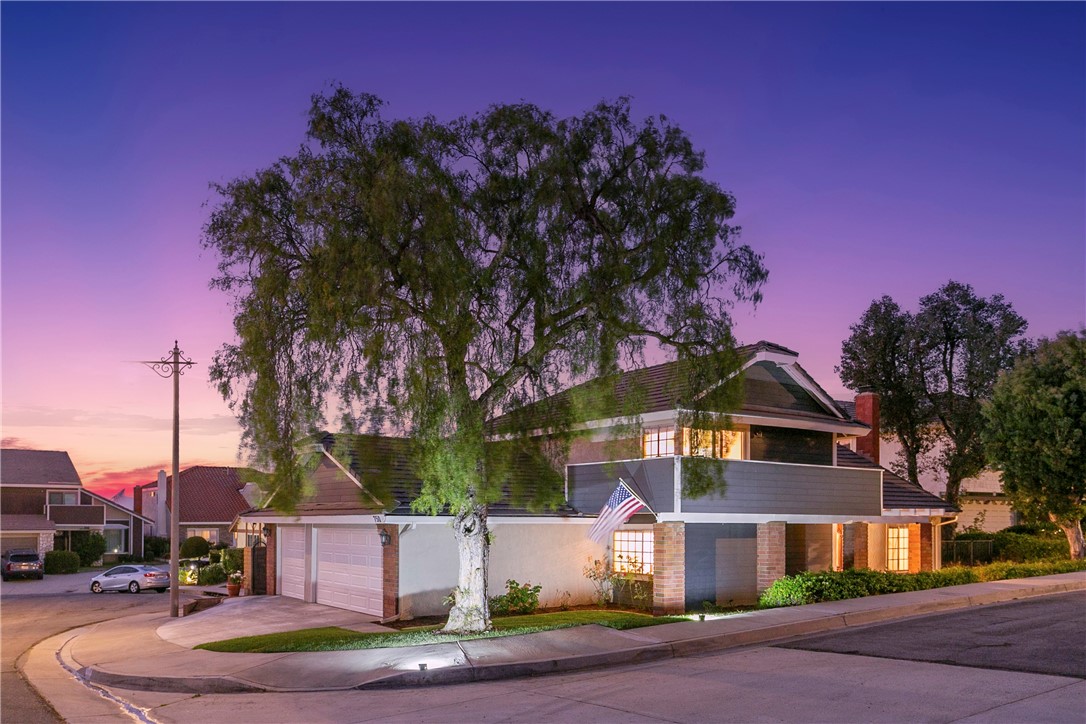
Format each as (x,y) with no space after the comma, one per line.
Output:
(386,538)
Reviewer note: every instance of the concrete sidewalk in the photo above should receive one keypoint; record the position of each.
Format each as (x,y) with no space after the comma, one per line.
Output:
(153,652)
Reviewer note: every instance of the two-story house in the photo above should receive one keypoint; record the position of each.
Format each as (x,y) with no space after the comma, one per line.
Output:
(43,505)
(793,498)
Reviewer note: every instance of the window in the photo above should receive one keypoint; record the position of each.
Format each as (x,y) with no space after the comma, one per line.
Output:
(897,548)
(211,535)
(56,498)
(633,551)
(726,444)
(658,442)
(116,540)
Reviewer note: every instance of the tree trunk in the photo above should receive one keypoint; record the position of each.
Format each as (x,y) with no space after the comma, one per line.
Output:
(953,488)
(471,612)
(1073,530)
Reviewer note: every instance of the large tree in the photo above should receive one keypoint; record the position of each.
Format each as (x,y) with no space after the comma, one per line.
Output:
(1036,433)
(932,370)
(429,276)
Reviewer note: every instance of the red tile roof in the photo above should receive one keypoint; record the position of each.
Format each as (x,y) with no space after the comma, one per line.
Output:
(209,494)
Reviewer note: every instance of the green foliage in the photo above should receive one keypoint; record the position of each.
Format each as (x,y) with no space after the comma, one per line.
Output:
(1005,570)
(61,562)
(603,578)
(233,559)
(156,547)
(194,547)
(1019,547)
(1045,530)
(1036,433)
(211,575)
(214,556)
(518,599)
(188,576)
(127,558)
(89,546)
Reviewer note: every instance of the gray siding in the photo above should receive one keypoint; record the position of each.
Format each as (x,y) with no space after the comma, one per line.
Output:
(787,445)
(760,488)
(652,479)
(721,564)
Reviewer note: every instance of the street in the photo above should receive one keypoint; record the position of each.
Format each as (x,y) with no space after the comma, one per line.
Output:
(1020,661)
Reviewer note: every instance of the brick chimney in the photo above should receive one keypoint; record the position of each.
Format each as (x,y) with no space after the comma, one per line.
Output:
(867,411)
(137,499)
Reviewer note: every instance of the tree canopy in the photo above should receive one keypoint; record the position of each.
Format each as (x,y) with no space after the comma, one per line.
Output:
(427,276)
(1036,433)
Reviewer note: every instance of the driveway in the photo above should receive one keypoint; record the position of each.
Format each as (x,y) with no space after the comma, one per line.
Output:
(51,585)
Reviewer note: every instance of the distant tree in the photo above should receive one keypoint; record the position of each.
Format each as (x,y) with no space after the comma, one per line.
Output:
(90,547)
(430,276)
(966,341)
(1036,433)
(883,354)
(194,547)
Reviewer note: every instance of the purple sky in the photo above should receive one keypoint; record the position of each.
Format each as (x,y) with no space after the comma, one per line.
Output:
(873,149)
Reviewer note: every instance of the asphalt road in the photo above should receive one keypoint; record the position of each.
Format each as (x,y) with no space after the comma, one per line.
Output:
(34,610)
(889,673)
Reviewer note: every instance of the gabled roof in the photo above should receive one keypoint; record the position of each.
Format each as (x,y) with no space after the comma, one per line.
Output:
(209,494)
(897,492)
(771,367)
(37,467)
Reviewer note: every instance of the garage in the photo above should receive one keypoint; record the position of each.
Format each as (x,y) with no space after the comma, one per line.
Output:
(11,541)
(293,562)
(349,569)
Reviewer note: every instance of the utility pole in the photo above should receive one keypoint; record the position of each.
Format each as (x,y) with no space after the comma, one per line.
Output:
(172,365)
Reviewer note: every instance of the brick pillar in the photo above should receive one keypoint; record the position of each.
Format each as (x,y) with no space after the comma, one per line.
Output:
(390,568)
(669,568)
(247,567)
(269,564)
(867,411)
(926,548)
(771,553)
(860,545)
(914,547)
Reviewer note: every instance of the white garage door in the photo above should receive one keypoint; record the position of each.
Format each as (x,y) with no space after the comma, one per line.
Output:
(349,569)
(293,561)
(10,541)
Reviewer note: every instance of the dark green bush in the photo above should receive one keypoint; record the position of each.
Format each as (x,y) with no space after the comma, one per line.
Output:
(126,558)
(1022,548)
(1047,530)
(518,599)
(1007,569)
(232,559)
(89,546)
(211,575)
(195,547)
(61,562)
(156,547)
(214,556)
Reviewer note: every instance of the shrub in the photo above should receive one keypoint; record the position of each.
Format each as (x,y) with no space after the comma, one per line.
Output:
(126,558)
(232,559)
(214,555)
(90,548)
(1047,530)
(156,547)
(195,547)
(518,599)
(211,575)
(1019,547)
(1005,569)
(61,562)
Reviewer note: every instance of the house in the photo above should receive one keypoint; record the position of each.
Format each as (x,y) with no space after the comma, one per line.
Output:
(44,506)
(211,499)
(795,498)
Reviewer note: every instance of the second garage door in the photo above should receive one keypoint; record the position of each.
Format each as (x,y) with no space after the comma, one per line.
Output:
(293,564)
(349,570)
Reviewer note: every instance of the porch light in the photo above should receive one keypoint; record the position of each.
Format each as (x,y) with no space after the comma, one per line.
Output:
(386,538)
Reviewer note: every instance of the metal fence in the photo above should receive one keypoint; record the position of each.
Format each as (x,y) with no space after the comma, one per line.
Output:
(967,552)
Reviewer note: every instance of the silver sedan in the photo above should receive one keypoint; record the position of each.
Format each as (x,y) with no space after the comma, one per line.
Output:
(131,578)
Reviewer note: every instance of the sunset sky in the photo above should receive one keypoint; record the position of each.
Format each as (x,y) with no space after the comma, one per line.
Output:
(872,148)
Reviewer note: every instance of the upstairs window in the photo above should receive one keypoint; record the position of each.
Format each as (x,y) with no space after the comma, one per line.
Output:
(725,444)
(59,498)
(658,442)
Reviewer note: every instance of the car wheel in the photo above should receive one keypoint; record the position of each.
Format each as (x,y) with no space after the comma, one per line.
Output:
(133,587)
(96,587)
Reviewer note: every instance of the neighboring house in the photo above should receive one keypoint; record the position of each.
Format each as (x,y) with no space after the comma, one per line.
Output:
(211,499)
(123,499)
(43,504)
(794,499)
(983,503)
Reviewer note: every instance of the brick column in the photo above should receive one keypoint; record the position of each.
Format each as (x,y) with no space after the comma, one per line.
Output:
(914,548)
(771,553)
(860,545)
(669,568)
(390,571)
(927,549)
(269,564)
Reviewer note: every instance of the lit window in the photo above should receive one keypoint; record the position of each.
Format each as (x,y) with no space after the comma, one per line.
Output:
(713,443)
(897,548)
(116,540)
(658,442)
(211,535)
(633,551)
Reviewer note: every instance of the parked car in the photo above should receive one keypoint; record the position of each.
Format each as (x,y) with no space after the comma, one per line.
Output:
(132,579)
(22,563)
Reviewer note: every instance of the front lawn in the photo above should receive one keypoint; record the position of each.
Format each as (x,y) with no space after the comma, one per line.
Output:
(332,638)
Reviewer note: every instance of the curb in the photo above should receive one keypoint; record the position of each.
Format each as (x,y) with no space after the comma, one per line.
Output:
(649,652)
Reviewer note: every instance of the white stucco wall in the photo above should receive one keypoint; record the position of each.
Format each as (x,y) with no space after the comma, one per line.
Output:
(990,515)
(550,554)
(876,547)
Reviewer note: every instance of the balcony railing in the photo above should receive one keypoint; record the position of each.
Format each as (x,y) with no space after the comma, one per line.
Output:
(77,514)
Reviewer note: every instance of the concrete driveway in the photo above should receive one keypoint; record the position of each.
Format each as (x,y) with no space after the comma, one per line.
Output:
(51,585)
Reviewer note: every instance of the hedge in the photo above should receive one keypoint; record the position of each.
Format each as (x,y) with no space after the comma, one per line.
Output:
(211,575)
(232,559)
(61,562)
(195,547)
(813,587)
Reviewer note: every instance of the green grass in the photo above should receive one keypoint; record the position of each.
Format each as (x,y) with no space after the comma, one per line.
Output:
(333,638)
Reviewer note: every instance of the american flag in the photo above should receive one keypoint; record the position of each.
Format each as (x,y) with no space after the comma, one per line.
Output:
(616,511)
